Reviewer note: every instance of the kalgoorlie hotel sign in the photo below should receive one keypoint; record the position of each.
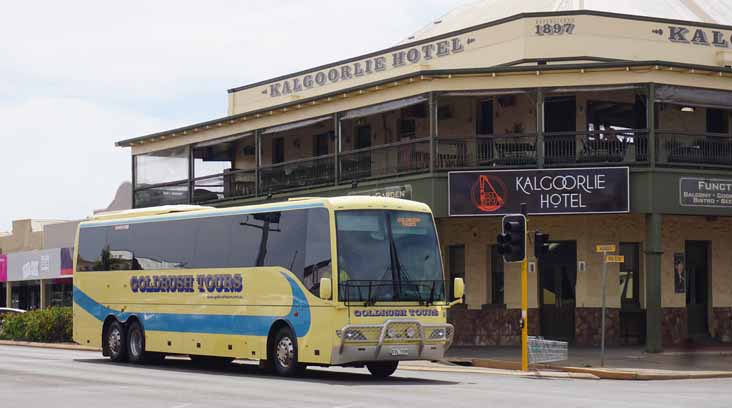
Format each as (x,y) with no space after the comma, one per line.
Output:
(592,190)
(369,66)
(696,36)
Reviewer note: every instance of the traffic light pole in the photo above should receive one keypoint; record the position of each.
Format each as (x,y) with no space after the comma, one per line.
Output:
(512,246)
(524,316)
(525,298)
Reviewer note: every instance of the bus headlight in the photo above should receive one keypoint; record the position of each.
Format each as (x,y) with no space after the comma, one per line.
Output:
(438,334)
(353,335)
(391,332)
(411,332)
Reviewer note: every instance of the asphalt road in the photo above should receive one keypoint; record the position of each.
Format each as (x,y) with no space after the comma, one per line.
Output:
(33,377)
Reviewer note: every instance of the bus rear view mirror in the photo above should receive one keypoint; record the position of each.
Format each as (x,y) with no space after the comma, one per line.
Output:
(326,289)
(458,288)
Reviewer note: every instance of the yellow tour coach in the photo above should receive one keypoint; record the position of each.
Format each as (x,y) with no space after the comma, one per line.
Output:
(348,281)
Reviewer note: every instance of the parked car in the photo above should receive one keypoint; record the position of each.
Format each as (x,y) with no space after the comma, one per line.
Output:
(7,311)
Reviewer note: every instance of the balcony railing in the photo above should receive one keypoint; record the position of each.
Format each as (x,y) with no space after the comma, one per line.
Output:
(233,183)
(596,147)
(508,150)
(413,156)
(297,174)
(400,158)
(701,149)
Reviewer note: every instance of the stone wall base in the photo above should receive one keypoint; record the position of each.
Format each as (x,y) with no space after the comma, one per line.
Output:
(490,326)
(722,324)
(674,327)
(588,326)
(500,327)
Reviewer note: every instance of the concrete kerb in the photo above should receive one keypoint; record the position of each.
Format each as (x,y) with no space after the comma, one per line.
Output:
(606,373)
(61,346)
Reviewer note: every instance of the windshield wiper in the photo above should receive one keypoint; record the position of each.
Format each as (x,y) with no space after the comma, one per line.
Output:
(431,300)
(369,300)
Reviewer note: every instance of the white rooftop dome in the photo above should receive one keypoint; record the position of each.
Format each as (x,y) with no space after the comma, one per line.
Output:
(707,11)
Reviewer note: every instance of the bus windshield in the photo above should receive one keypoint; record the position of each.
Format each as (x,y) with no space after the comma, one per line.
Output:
(386,255)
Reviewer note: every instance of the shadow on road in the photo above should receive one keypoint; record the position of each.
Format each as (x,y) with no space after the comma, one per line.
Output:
(315,374)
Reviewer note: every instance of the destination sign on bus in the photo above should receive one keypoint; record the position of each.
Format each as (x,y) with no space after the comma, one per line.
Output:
(205,283)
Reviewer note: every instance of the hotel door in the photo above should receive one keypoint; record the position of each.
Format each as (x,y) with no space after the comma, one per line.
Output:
(557,281)
(697,287)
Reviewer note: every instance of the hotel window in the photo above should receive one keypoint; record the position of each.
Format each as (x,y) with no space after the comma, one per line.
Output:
(484,124)
(162,177)
(717,121)
(456,257)
(161,167)
(320,144)
(278,150)
(363,137)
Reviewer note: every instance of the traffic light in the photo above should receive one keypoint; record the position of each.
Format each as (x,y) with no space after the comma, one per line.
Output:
(512,241)
(541,244)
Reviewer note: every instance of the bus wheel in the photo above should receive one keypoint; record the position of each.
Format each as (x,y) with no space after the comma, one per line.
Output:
(284,354)
(382,369)
(116,342)
(136,346)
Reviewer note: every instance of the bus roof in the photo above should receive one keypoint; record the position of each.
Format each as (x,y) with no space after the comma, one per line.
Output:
(337,203)
(141,212)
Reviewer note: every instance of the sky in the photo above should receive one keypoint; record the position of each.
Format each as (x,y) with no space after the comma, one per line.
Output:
(77,76)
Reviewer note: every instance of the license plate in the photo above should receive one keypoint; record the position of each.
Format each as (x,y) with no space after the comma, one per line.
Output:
(399,352)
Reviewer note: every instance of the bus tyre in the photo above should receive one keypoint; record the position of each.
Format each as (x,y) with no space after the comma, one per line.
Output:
(136,346)
(284,354)
(116,340)
(382,369)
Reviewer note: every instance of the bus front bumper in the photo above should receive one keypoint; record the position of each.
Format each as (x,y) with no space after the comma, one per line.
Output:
(395,340)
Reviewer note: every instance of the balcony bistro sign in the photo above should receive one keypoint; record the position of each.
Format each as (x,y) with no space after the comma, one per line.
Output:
(362,68)
(594,190)
(710,193)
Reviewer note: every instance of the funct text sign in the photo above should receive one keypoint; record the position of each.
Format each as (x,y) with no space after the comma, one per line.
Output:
(698,192)
(556,191)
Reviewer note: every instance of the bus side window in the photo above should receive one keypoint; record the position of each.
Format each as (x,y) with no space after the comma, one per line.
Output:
(317,250)
(92,248)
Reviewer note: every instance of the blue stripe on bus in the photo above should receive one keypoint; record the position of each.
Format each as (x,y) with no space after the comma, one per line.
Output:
(197,214)
(299,317)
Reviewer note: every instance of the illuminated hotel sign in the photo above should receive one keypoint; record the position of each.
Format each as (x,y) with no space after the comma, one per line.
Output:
(594,190)
(365,67)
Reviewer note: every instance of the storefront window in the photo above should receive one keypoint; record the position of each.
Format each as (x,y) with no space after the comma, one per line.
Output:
(629,274)
(456,256)
(61,293)
(161,167)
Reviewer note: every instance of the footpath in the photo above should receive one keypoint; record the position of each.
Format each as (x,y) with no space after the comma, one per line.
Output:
(626,363)
(621,363)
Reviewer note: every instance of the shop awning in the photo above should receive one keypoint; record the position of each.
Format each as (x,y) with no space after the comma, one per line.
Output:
(599,88)
(383,107)
(495,92)
(705,98)
(223,140)
(296,125)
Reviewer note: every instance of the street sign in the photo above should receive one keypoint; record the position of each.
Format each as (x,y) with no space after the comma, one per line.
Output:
(614,258)
(605,248)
